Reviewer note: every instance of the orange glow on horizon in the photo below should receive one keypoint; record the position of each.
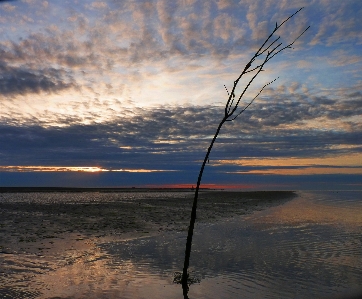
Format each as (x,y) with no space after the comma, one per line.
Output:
(341,160)
(51,169)
(72,169)
(341,164)
(302,171)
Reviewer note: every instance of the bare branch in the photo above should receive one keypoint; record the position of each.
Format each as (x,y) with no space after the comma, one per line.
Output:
(231,113)
(229,108)
(275,29)
(249,71)
(247,106)
(226,89)
(231,104)
(247,87)
(290,17)
(276,47)
(266,49)
(290,45)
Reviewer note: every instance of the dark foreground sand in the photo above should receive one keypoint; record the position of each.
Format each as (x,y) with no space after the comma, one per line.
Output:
(48,228)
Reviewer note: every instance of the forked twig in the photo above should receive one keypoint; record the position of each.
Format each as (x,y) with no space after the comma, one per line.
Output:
(269,49)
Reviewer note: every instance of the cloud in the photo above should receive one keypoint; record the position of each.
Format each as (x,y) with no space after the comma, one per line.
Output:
(343,58)
(335,164)
(125,38)
(173,28)
(335,26)
(89,83)
(17,80)
(224,27)
(8,7)
(222,4)
(98,5)
(156,138)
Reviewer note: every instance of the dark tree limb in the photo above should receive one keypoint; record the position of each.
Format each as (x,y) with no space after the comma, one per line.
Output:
(269,49)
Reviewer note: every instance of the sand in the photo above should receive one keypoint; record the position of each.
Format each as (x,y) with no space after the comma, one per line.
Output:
(50,227)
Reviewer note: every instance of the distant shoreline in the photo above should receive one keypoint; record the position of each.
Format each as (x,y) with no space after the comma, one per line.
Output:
(101,189)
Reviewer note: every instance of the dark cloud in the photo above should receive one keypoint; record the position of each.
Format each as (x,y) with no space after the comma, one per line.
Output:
(175,137)
(22,80)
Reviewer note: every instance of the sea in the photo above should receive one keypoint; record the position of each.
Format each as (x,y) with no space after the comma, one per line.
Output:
(308,247)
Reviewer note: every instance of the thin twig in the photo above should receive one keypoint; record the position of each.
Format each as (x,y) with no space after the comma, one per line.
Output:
(247,106)
(230,114)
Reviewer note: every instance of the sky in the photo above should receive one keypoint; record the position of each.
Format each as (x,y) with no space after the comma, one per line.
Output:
(130,93)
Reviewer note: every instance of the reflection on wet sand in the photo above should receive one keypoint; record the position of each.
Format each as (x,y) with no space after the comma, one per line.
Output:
(316,208)
(308,247)
(81,272)
(99,279)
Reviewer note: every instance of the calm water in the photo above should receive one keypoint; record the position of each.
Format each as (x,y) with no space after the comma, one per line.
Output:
(310,247)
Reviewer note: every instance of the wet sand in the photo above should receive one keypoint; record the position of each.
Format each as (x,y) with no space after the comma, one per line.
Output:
(82,244)
(37,223)
(50,242)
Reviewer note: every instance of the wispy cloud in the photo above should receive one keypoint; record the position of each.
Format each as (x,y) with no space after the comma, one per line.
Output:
(138,85)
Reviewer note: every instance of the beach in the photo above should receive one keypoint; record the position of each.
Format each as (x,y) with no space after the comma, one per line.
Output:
(129,243)
(60,231)
(46,222)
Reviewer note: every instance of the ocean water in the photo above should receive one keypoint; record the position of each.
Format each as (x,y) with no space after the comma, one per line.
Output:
(309,247)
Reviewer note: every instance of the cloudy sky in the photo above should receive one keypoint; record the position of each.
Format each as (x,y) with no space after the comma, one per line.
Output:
(129,93)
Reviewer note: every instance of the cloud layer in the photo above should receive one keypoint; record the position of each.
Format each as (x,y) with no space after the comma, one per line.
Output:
(138,85)
(175,138)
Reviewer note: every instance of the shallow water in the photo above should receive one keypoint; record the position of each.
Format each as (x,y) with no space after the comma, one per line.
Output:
(310,247)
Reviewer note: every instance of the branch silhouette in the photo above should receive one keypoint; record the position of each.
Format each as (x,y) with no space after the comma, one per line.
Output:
(268,50)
